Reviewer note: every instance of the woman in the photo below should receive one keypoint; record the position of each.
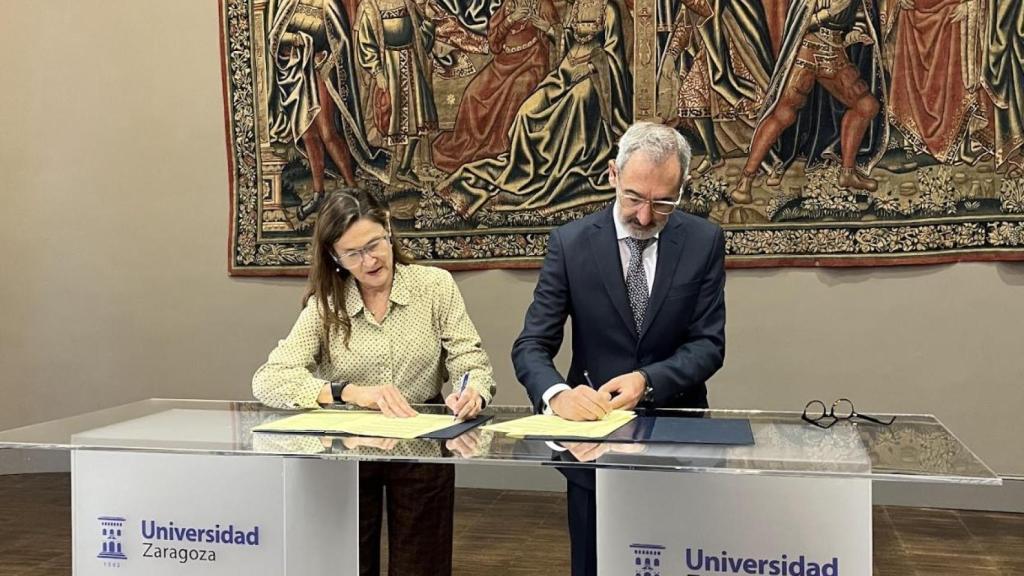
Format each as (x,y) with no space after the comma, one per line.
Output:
(563,134)
(381,333)
(521,35)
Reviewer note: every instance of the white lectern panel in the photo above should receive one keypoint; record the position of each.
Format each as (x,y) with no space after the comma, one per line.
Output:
(163,514)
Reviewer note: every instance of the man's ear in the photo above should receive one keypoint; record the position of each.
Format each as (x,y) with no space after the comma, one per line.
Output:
(685,187)
(613,173)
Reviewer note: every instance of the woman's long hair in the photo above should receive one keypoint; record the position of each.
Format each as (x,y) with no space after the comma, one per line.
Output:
(327,278)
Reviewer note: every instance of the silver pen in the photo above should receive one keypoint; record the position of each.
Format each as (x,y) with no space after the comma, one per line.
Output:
(462,388)
(589,381)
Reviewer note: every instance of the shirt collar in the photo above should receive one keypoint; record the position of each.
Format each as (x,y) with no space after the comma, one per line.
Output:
(399,291)
(621,233)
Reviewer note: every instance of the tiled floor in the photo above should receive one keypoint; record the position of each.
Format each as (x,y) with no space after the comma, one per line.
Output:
(523,534)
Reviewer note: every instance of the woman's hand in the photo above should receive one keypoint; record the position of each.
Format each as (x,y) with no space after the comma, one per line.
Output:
(522,12)
(468,445)
(353,442)
(540,23)
(466,406)
(580,72)
(385,398)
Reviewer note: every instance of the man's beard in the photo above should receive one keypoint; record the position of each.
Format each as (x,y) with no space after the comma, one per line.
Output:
(635,229)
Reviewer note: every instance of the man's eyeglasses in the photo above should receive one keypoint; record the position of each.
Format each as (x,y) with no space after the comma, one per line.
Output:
(377,248)
(632,201)
(842,409)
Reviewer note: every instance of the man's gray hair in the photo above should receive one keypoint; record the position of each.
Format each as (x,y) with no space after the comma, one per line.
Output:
(657,141)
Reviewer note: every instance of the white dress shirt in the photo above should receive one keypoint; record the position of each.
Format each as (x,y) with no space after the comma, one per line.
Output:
(650,261)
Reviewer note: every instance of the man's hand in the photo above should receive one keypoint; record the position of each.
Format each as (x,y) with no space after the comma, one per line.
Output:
(430,11)
(626,390)
(857,37)
(581,403)
(385,398)
(590,451)
(587,451)
(466,406)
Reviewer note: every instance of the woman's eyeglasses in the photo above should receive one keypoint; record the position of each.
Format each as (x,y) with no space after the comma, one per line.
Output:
(377,248)
(842,409)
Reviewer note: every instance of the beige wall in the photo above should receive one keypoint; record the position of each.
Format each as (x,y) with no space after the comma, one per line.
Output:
(113,230)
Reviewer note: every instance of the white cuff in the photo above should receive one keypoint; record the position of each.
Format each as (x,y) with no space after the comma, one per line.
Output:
(550,393)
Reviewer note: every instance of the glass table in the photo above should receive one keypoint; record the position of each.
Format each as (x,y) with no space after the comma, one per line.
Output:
(662,508)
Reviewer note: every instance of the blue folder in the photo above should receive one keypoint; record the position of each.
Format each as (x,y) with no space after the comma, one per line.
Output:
(674,430)
(457,429)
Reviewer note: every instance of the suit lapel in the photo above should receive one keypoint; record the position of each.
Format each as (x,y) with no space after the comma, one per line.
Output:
(604,248)
(670,247)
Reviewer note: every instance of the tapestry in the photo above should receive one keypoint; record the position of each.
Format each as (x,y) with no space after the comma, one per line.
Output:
(825,132)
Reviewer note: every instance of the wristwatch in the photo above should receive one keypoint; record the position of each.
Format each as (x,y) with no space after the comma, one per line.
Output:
(648,397)
(336,388)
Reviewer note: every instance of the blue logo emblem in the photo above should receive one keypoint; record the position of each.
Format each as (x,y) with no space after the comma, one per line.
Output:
(111,529)
(647,559)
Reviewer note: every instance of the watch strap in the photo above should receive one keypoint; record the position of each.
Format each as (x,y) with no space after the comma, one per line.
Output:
(336,388)
(648,397)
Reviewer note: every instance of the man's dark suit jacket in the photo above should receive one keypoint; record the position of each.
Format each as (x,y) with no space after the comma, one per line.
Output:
(682,341)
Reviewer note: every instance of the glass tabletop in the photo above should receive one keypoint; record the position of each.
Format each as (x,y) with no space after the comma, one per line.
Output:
(914,447)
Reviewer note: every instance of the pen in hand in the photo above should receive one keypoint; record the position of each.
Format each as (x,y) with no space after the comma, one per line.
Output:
(462,388)
(586,376)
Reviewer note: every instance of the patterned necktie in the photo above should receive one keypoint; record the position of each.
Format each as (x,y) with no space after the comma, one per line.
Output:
(636,279)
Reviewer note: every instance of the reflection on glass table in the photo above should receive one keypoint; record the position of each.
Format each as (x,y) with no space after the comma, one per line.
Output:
(914,447)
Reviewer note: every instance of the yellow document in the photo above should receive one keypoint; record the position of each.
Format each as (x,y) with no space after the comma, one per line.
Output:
(543,425)
(359,423)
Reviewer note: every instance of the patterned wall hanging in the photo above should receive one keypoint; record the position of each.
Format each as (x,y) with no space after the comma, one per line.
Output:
(826,132)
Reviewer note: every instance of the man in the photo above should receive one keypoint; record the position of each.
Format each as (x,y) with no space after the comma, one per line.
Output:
(394,39)
(820,48)
(644,286)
